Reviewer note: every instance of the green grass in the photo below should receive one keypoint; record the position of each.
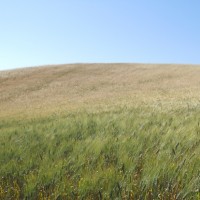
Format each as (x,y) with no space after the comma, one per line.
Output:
(129,153)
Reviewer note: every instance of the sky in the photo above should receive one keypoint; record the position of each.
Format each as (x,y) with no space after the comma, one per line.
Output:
(44,32)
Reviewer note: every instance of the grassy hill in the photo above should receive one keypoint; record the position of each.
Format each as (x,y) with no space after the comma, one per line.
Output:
(67,87)
(100,131)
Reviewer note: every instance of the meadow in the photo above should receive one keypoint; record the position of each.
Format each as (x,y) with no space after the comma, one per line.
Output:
(134,139)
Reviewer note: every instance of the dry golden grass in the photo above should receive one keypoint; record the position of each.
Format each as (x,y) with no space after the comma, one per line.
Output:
(66,87)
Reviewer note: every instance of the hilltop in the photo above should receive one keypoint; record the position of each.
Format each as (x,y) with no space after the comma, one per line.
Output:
(56,88)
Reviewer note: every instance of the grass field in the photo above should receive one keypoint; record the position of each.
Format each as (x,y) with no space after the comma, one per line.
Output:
(100,131)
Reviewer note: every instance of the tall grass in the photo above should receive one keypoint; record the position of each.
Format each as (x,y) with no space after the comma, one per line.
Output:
(129,153)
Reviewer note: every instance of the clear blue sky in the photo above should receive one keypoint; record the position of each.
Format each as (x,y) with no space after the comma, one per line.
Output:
(38,32)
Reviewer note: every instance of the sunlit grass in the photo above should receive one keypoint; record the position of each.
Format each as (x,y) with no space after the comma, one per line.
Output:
(126,153)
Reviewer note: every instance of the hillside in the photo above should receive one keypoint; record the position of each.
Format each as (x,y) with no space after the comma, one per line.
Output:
(68,87)
(100,131)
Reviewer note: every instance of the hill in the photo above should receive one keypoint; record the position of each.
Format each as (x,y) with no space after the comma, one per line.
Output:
(100,131)
(66,87)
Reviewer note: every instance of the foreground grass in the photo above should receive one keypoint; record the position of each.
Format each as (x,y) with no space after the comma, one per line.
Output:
(134,153)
